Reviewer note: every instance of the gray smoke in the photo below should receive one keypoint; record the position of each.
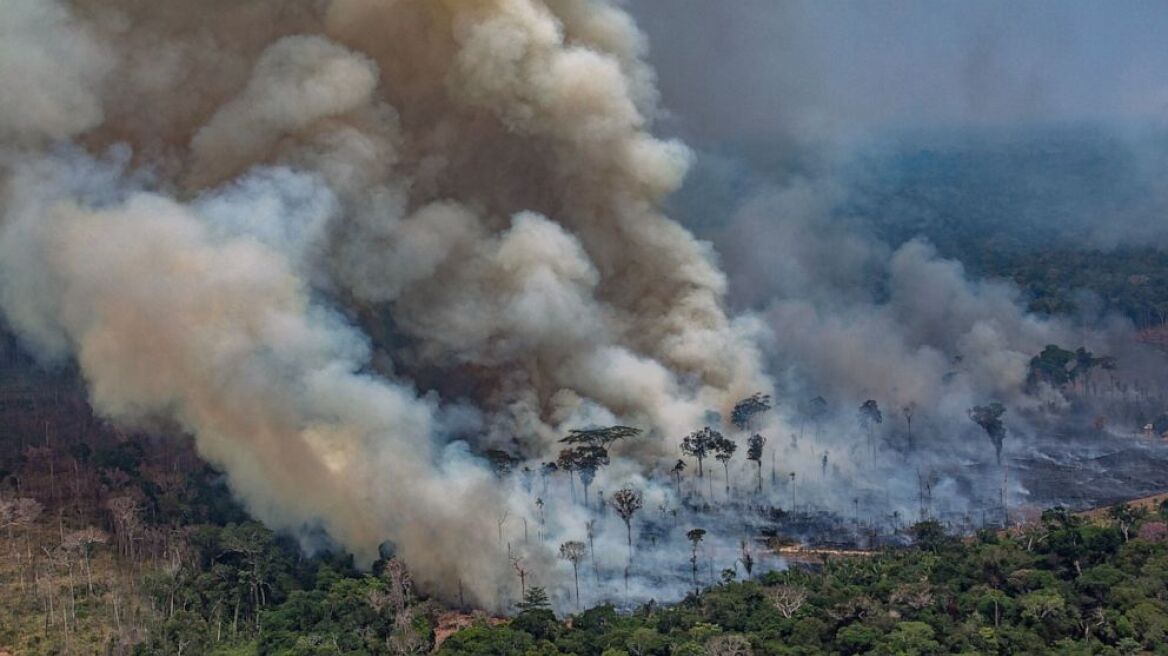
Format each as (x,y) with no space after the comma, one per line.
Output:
(832,135)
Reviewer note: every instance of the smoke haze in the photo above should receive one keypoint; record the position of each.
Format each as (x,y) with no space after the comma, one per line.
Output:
(353,245)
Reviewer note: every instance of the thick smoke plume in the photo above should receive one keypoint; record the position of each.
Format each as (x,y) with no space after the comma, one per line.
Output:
(835,160)
(350,245)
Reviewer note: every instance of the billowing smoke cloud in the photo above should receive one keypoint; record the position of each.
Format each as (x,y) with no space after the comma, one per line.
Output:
(348,245)
(843,182)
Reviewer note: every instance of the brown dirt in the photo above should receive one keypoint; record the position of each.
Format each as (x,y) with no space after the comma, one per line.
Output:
(1151,504)
(453,622)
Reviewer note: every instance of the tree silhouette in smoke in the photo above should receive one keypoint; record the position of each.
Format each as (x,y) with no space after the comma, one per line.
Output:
(747,409)
(699,444)
(600,436)
(870,417)
(695,536)
(812,410)
(989,417)
(626,502)
(573,551)
(723,451)
(678,468)
(754,445)
(590,451)
(502,462)
(587,460)
(1054,366)
(908,411)
(545,471)
(567,461)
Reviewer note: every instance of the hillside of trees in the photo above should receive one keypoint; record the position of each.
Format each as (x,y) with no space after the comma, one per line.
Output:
(1061,585)
(114,543)
(129,544)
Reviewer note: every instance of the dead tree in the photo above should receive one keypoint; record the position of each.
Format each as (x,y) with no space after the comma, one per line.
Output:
(729,645)
(573,551)
(747,558)
(520,570)
(787,599)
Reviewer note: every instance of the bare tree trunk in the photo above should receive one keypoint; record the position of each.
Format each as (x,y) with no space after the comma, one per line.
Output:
(576,574)
(88,571)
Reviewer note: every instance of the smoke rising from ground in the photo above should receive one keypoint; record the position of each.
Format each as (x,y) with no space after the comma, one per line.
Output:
(349,245)
(354,245)
(837,141)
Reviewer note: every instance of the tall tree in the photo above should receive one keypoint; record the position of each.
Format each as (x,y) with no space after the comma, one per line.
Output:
(1054,366)
(754,445)
(699,444)
(746,557)
(600,436)
(589,451)
(908,411)
(695,536)
(586,459)
(573,551)
(567,462)
(723,451)
(627,501)
(502,462)
(989,417)
(590,531)
(812,410)
(747,409)
(522,572)
(678,467)
(1085,361)
(870,417)
(545,471)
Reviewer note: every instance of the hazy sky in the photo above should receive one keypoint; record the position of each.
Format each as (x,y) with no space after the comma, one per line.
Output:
(781,68)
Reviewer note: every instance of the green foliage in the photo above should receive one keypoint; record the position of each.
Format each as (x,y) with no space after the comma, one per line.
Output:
(1080,589)
(487,641)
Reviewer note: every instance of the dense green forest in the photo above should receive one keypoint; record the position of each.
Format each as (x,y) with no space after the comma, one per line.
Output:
(1062,585)
(130,545)
(1068,214)
(1129,282)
